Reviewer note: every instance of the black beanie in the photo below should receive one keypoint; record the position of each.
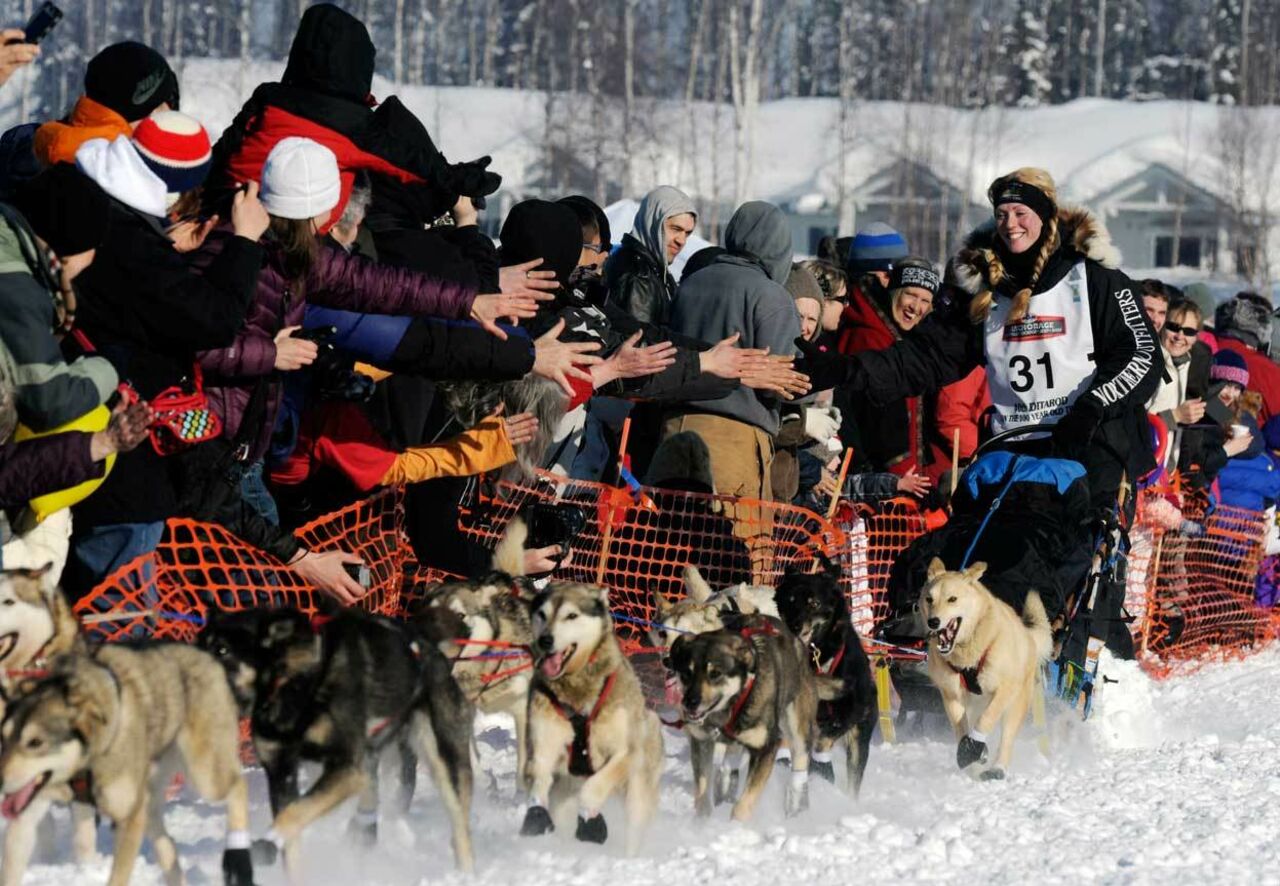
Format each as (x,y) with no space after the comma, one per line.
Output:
(545,230)
(131,79)
(66,209)
(586,208)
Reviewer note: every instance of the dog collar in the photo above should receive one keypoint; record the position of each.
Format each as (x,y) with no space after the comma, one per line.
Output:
(580,748)
(730,728)
(831,666)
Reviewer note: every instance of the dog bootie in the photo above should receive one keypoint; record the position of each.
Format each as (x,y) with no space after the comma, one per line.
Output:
(996,774)
(824,769)
(970,751)
(363,833)
(592,830)
(797,793)
(726,786)
(264,852)
(237,867)
(537,821)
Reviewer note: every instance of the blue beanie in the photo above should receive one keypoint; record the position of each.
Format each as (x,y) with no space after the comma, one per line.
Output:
(875,248)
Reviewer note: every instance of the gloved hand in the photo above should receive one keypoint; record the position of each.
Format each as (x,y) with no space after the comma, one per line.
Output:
(825,369)
(821,423)
(1075,430)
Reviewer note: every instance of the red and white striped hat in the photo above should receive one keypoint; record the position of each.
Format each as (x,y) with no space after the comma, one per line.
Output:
(176,148)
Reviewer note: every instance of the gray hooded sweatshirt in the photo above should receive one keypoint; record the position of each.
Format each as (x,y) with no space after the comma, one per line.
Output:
(657,206)
(636,276)
(742,291)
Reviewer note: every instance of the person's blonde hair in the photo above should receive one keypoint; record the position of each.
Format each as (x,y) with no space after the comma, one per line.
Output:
(980,307)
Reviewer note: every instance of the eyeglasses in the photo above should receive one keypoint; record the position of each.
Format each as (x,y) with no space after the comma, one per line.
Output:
(1188,331)
(593,247)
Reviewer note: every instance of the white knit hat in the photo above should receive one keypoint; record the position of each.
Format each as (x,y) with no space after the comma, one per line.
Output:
(300,179)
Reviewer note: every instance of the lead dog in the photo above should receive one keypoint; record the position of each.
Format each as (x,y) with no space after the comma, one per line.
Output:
(979,646)
(589,730)
(128,719)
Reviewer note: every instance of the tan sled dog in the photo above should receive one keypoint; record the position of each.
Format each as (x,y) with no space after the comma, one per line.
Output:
(126,718)
(979,646)
(588,726)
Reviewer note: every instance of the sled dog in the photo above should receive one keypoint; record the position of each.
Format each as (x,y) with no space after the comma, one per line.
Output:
(589,731)
(978,646)
(127,719)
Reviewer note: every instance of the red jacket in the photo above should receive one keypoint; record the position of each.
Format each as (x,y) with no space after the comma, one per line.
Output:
(960,406)
(1264,376)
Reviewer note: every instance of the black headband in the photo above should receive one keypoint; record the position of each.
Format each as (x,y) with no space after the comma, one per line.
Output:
(1027,195)
(914,273)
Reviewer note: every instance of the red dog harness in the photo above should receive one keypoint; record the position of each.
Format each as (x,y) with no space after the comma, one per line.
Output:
(969,676)
(579,749)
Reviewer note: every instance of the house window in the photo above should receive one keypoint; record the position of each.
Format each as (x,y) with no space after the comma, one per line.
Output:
(1190,252)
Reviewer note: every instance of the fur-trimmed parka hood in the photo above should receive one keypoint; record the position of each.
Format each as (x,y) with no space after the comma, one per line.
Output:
(977,266)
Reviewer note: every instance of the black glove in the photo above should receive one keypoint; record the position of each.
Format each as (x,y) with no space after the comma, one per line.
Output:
(472,179)
(1075,430)
(826,369)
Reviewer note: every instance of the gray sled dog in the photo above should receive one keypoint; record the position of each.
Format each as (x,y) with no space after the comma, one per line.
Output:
(589,731)
(978,646)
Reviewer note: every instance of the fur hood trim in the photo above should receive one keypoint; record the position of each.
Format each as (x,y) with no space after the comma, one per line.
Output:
(1078,229)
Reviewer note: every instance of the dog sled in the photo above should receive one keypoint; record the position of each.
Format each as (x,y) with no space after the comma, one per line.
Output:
(1030,519)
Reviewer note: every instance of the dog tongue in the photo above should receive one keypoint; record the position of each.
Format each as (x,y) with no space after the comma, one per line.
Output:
(13,804)
(553,664)
(674,694)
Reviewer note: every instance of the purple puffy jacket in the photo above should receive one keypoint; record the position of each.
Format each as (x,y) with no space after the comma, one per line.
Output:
(337,280)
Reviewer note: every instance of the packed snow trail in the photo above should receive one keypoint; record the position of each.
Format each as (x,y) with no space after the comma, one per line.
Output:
(1172,781)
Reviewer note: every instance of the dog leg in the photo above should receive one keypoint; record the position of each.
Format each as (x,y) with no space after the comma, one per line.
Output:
(641,803)
(1014,716)
(84,832)
(953,703)
(728,761)
(129,833)
(798,724)
(701,755)
(281,768)
(20,841)
(758,772)
(363,827)
(857,744)
(545,753)
(450,765)
(822,764)
(595,790)
(336,784)
(408,771)
(520,712)
(973,745)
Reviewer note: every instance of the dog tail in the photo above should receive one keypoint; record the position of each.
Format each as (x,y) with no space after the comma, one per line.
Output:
(1037,621)
(696,586)
(508,555)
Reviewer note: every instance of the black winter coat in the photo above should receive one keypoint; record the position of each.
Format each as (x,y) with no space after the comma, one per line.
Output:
(638,285)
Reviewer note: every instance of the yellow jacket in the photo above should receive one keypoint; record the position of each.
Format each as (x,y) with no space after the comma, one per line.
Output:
(483,448)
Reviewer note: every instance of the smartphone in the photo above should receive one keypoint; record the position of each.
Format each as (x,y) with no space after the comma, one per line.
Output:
(318,334)
(42,22)
(360,573)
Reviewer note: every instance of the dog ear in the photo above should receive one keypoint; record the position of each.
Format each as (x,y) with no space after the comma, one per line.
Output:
(661,603)
(696,586)
(602,598)
(744,652)
(936,568)
(679,652)
(827,567)
(91,708)
(975,571)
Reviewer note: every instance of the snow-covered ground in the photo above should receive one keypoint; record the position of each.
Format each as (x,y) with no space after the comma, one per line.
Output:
(1176,781)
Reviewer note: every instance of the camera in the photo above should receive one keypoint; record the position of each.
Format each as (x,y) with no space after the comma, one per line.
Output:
(553,524)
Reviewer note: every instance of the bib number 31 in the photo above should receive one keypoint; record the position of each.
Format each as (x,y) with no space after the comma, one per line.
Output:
(1022,377)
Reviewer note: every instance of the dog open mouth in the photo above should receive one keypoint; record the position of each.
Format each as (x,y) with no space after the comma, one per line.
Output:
(16,803)
(553,665)
(7,644)
(946,637)
(699,715)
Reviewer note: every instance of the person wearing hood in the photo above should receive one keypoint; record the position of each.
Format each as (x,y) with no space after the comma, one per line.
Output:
(638,276)
(60,214)
(1060,329)
(325,95)
(1243,325)
(740,293)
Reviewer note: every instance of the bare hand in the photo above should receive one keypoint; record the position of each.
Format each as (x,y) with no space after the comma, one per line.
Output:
(488,309)
(540,560)
(630,361)
(726,360)
(189,235)
(129,426)
(779,377)
(324,571)
(827,485)
(1189,412)
(15,55)
(1238,444)
(522,279)
(464,212)
(294,353)
(521,428)
(249,218)
(560,361)
(913,483)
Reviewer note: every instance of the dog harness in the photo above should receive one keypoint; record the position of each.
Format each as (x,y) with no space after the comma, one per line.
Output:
(730,727)
(579,749)
(969,676)
(832,666)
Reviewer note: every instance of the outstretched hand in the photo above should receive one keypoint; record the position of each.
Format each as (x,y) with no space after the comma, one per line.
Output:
(559,361)
(778,376)
(128,426)
(727,360)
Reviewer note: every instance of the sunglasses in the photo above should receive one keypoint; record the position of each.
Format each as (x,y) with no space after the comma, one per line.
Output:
(592,247)
(1188,331)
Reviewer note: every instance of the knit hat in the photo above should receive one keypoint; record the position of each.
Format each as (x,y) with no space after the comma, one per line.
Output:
(545,230)
(875,248)
(1200,295)
(1229,366)
(300,179)
(914,271)
(1246,318)
(131,79)
(176,148)
(802,284)
(65,208)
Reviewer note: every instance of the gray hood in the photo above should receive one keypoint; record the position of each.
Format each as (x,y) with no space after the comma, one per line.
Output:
(657,206)
(760,230)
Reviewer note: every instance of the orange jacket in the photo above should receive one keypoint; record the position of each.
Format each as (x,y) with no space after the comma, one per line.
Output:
(57,142)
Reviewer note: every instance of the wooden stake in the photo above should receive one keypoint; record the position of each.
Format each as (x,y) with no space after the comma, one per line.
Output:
(607,538)
(955,460)
(1153,581)
(844,469)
